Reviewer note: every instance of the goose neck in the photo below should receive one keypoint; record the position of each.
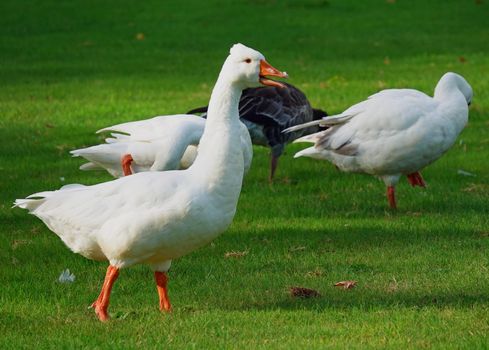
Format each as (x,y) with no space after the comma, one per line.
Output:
(224,101)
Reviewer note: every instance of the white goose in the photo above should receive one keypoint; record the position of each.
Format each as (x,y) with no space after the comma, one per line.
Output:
(160,143)
(155,217)
(395,132)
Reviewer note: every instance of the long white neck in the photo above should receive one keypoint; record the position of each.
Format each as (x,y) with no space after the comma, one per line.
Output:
(453,103)
(219,165)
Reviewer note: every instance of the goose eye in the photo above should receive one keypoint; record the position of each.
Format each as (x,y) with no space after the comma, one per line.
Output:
(248,60)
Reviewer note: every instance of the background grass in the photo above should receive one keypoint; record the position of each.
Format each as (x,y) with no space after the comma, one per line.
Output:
(68,69)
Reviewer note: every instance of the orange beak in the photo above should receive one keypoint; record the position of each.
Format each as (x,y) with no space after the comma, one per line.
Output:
(266,70)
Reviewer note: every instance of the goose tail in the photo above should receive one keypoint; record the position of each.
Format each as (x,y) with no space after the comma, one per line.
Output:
(311,138)
(323,122)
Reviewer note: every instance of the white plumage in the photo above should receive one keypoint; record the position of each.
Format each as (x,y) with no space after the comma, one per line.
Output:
(160,143)
(394,132)
(155,217)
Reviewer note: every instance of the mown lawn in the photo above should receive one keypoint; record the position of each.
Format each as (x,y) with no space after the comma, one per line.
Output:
(70,68)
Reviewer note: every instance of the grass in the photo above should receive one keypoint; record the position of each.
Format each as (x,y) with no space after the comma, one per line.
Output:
(71,68)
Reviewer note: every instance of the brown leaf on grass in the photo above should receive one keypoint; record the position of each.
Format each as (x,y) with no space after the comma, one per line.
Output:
(63,148)
(301,292)
(315,273)
(322,196)
(462,59)
(18,242)
(346,284)
(140,36)
(387,61)
(323,85)
(234,254)
(393,286)
(288,181)
(476,188)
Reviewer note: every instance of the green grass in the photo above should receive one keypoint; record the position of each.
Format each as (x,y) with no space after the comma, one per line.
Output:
(68,69)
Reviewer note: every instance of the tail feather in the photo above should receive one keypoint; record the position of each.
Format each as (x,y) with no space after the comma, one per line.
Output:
(325,121)
(29,204)
(302,126)
(308,152)
(312,138)
(33,201)
(105,152)
(115,128)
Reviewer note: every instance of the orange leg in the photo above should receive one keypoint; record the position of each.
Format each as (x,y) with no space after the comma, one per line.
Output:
(96,302)
(161,283)
(126,164)
(415,179)
(391,196)
(102,302)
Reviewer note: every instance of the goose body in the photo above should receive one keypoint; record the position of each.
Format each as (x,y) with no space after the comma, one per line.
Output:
(160,143)
(155,217)
(394,132)
(267,111)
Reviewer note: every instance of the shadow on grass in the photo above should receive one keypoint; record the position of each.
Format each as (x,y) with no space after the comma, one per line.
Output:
(393,301)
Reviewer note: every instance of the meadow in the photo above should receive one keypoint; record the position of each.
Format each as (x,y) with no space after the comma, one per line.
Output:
(70,68)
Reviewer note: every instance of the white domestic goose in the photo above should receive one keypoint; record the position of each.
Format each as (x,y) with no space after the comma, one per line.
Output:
(160,143)
(395,132)
(155,217)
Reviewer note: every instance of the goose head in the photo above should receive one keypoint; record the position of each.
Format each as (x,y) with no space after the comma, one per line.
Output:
(248,68)
(450,81)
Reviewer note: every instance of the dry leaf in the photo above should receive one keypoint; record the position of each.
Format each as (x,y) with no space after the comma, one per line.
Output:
(346,284)
(301,292)
(462,59)
(18,242)
(234,254)
(476,188)
(323,85)
(322,197)
(387,61)
(63,147)
(315,273)
(297,249)
(140,36)
(393,286)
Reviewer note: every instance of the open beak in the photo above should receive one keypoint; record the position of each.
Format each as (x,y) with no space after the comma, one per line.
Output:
(266,70)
